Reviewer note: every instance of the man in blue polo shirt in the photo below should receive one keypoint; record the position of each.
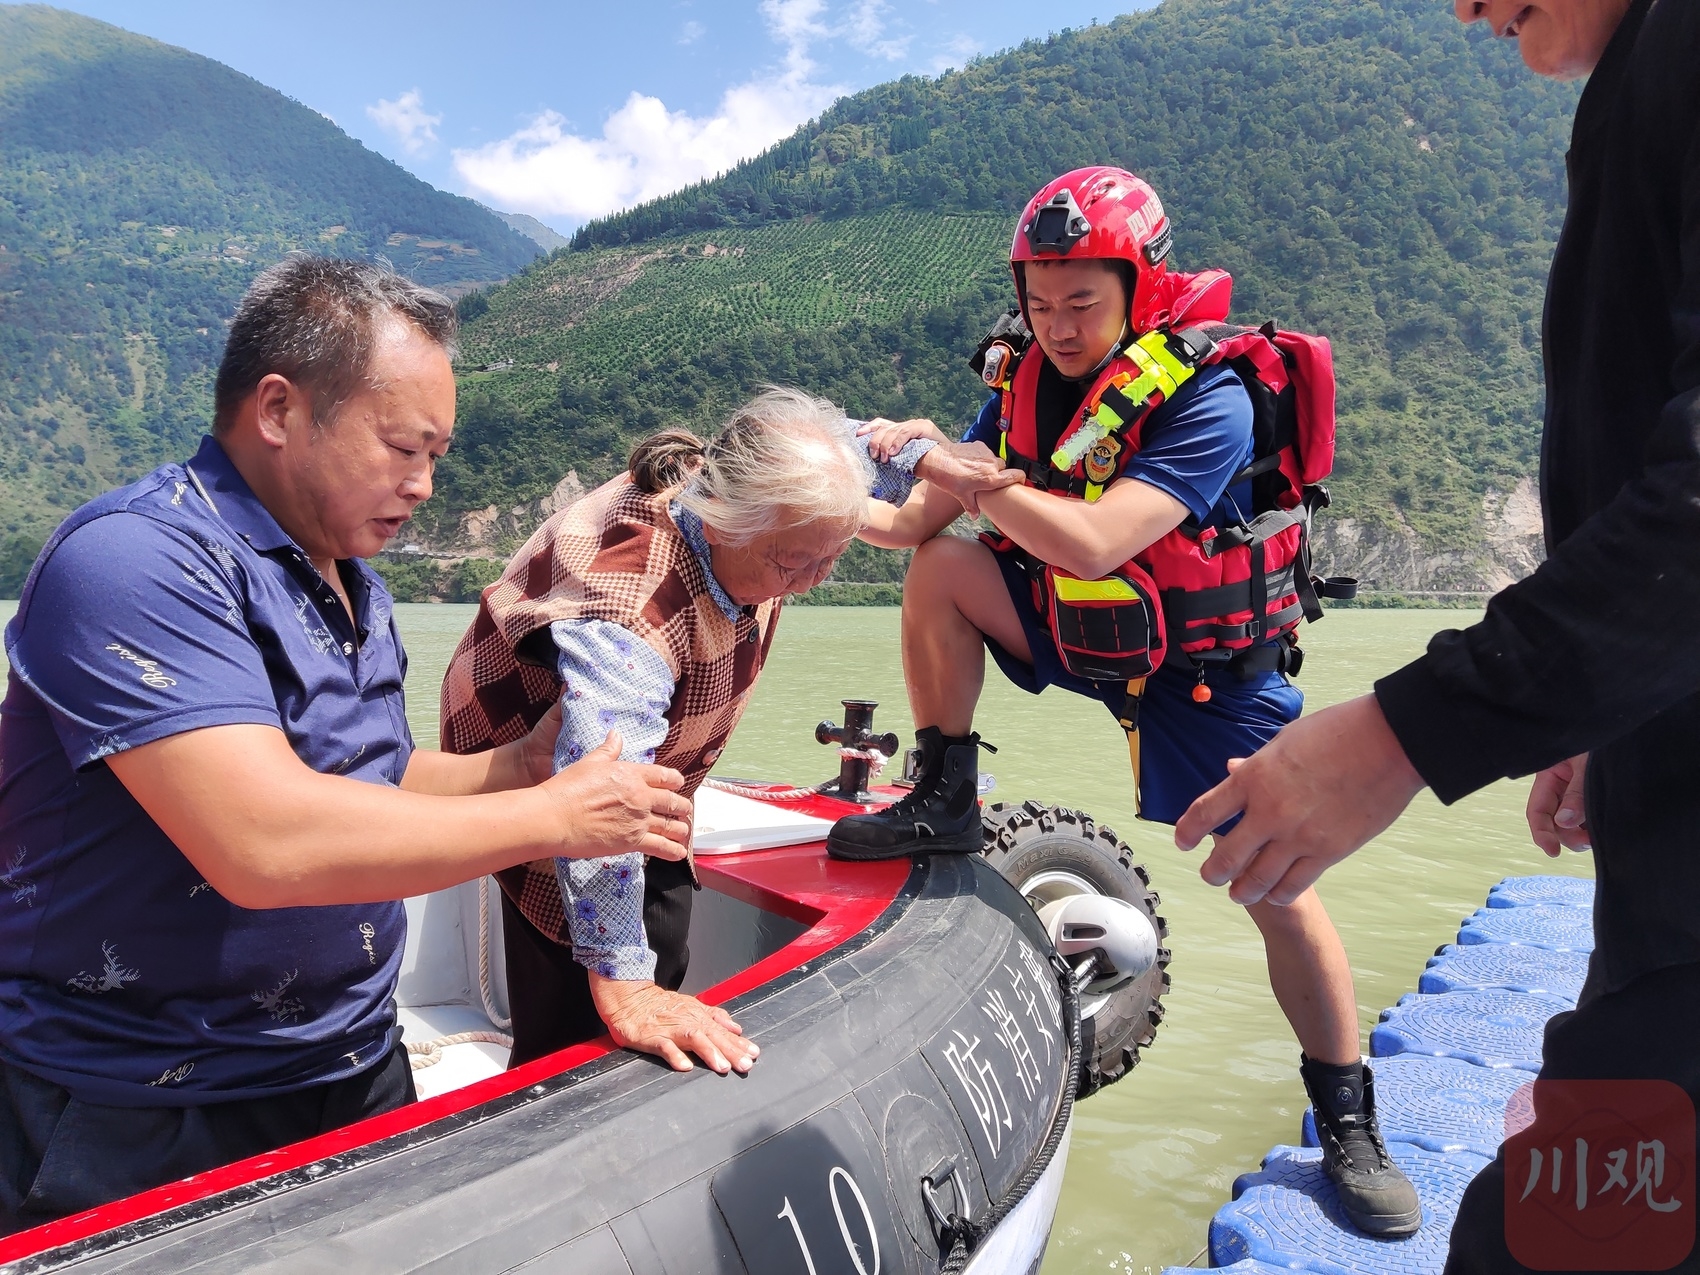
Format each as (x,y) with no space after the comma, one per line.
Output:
(210,802)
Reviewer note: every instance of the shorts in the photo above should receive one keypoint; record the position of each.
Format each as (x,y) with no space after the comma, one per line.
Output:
(1184,745)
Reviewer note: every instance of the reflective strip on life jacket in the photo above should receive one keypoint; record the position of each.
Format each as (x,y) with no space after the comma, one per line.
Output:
(1070,589)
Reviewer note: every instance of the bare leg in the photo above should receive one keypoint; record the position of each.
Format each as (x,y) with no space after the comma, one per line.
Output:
(953,594)
(1313,982)
(953,597)
(1311,977)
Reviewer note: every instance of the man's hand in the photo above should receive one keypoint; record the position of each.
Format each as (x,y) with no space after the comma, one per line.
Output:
(1311,796)
(535,754)
(640,1015)
(887,438)
(965,470)
(608,806)
(1556,814)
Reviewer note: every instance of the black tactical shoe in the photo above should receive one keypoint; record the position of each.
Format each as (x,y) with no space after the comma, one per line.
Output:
(1376,1196)
(940,815)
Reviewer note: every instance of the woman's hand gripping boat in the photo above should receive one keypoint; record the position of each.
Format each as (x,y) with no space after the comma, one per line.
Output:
(925,1029)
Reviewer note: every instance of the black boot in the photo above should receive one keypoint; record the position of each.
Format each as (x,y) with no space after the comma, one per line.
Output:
(1377,1197)
(941,815)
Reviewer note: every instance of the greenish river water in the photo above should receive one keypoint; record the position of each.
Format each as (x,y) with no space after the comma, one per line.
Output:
(1155,1155)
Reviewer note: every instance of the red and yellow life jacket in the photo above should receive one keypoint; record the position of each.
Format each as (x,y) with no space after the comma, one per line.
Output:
(1199,595)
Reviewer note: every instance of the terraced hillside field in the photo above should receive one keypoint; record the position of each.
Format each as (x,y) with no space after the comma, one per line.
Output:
(590,316)
(1366,169)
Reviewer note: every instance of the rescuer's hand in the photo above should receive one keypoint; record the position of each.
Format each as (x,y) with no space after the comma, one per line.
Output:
(1311,796)
(607,806)
(640,1015)
(887,438)
(965,470)
(536,752)
(1557,817)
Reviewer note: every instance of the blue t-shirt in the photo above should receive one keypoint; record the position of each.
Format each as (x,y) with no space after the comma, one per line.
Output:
(168,606)
(1189,447)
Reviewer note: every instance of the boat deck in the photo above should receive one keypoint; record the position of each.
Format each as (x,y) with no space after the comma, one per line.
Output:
(1448,1059)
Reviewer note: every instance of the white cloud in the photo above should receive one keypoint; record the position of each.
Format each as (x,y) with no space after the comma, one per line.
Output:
(865,30)
(406,120)
(954,54)
(646,150)
(691,32)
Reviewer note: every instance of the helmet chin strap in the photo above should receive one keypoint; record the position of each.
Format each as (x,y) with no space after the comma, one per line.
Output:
(1110,354)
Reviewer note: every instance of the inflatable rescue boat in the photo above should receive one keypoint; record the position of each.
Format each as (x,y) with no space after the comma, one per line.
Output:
(925,1028)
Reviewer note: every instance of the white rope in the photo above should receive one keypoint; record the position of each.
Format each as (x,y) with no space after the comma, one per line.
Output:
(876,762)
(874,757)
(484,993)
(761,793)
(428,1053)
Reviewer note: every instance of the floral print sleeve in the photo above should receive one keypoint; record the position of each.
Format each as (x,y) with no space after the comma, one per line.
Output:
(610,680)
(895,478)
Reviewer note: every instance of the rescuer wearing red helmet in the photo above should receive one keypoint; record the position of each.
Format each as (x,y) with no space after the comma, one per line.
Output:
(1119,404)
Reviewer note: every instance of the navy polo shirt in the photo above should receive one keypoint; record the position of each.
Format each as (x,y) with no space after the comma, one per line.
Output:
(174,604)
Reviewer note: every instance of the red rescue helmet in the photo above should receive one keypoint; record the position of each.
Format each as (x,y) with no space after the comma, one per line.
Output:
(1099,213)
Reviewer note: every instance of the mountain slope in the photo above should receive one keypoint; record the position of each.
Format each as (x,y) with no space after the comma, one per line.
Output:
(141,187)
(534,230)
(1368,169)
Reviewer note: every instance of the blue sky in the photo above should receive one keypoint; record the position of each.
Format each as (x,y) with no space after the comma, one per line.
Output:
(570,110)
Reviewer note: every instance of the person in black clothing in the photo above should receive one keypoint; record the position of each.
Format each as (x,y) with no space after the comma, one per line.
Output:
(1610,618)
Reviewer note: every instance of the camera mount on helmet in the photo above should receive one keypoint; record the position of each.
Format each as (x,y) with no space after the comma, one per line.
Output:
(1058,225)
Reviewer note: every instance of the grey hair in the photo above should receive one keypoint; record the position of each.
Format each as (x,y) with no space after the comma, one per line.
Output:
(786,458)
(316,320)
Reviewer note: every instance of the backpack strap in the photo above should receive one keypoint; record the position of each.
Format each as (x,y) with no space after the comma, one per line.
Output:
(1128,720)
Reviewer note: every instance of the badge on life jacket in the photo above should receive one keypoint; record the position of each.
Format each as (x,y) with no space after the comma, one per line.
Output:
(1101,459)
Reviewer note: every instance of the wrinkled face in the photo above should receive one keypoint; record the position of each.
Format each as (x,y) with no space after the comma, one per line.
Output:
(792,559)
(1560,38)
(1077,310)
(350,486)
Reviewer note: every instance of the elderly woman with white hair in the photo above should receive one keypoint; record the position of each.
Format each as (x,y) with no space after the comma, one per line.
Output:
(647,609)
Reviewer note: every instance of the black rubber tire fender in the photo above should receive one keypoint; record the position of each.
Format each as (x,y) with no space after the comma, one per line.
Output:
(1023,840)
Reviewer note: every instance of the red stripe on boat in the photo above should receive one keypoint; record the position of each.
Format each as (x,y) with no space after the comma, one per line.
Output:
(835,900)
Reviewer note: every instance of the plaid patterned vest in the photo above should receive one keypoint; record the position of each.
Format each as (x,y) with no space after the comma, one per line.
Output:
(615,555)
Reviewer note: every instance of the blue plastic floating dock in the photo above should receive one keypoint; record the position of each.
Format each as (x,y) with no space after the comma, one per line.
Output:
(1287,1210)
(1559,929)
(1439,1104)
(1548,891)
(1511,967)
(1490,1029)
(1447,1062)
